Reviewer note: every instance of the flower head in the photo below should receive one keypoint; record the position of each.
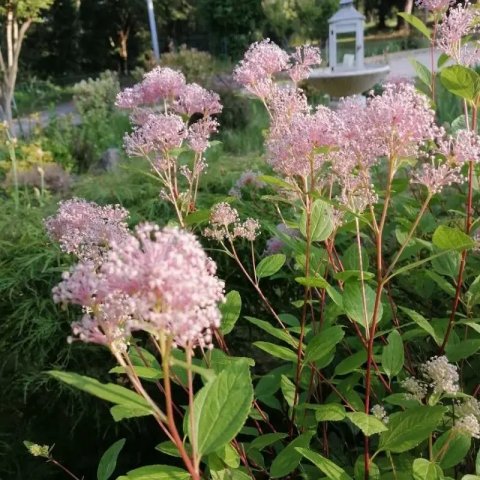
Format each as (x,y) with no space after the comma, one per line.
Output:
(249,178)
(401,120)
(441,375)
(158,134)
(468,426)
(379,412)
(261,61)
(195,99)
(435,5)
(160,281)
(303,59)
(416,389)
(436,178)
(86,229)
(460,22)
(461,148)
(160,84)
(199,134)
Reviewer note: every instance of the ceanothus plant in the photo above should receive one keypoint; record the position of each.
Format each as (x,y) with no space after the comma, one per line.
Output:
(374,363)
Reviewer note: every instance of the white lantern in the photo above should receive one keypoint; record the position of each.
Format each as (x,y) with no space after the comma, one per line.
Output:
(346,21)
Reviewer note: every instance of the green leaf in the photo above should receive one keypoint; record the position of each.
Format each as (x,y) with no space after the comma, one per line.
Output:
(417,23)
(448,238)
(266,440)
(147,373)
(461,81)
(326,466)
(200,216)
(315,282)
(462,350)
(289,458)
(277,351)
(368,424)
(275,181)
(351,363)
(221,408)
(157,472)
(425,470)
(227,456)
(477,463)
(353,303)
(288,390)
(423,323)
(402,400)
(143,358)
(329,412)
(447,265)
(351,261)
(442,60)
(230,311)
(447,456)
(169,448)
(408,429)
(359,470)
(393,354)
(321,221)
(444,284)
(108,462)
(274,331)
(106,391)
(268,266)
(357,274)
(423,73)
(323,343)
(121,412)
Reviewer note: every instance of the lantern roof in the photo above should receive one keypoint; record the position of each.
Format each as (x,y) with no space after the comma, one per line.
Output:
(347,13)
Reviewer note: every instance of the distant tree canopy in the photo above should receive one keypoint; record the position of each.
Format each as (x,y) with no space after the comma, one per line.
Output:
(297,21)
(78,37)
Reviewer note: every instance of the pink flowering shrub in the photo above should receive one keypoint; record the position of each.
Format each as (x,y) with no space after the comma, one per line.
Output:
(366,364)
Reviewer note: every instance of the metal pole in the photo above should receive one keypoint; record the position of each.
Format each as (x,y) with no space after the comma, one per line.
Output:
(153,30)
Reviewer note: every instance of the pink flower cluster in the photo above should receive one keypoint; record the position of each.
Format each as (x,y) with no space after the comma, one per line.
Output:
(264,59)
(461,148)
(461,21)
(435,5)
(401,120)
(160,137)
(158,134)
(277,243)
(159,281)
(158,85)
(436,178)
(86,229)
(225,224)
(248,178)
(163,132)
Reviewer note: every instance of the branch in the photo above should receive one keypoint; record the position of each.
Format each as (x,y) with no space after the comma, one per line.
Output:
(21,35)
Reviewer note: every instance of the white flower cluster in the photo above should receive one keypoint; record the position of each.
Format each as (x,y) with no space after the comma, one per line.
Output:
(468,413)
(441,375)
(438,375)
(379,412)
(468,425)
(416,389)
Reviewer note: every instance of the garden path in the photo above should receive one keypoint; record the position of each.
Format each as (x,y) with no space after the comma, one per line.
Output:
(24,126)
(400,66)
(400,62)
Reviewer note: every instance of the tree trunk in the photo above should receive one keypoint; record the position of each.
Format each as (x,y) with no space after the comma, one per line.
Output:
(123,49)
(15,34)
(7,98)
(402,24)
